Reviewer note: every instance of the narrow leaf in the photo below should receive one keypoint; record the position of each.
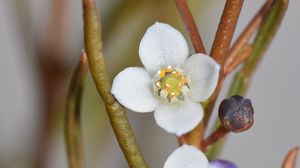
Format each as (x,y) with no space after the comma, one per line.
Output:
(72,115)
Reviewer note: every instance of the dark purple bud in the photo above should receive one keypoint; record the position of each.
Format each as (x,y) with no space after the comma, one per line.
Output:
(236,114)
(221,164)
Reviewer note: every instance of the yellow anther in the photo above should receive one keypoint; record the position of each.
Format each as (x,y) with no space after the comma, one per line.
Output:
(158,84)
(169,84)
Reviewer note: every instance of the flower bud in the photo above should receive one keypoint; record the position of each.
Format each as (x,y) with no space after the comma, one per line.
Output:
(221,164)
(236,114)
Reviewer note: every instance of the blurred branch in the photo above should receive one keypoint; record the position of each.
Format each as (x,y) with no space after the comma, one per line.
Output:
(24,16)
(116,113)
(190,25)
(266,33)
(290,158)
(73,134)
(50,50)
(219,51)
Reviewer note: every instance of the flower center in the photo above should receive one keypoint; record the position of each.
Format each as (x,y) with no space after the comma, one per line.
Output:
(171,85)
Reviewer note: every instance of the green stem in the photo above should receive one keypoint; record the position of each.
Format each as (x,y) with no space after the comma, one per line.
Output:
(72,116)
(266,33)
(116,113)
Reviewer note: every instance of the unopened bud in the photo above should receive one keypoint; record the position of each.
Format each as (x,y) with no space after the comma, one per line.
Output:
(236,114)
(221,164)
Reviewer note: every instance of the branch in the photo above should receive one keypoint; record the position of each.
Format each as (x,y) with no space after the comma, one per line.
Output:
(226,30)
(266,33)
(49,54)
(190,25)
(253,26)
(219,133)
(221,46)
(219,51)
(116,113)
(72,115)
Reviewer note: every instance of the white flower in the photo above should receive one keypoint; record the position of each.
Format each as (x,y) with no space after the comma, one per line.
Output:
(171,84)
(187,156)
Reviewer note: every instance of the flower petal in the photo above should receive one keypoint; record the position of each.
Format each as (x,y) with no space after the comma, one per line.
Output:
(203,72)
(132,88)
(179,119)
(187,156)
(162,45)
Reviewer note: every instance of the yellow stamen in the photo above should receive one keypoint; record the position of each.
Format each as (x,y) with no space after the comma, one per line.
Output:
(171,84)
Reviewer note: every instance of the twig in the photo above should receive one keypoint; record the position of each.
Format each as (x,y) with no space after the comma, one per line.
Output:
(235,61)
(226,30)
(253,26)
(219,133)
(182,140)
(220,48)
(290,158)
(73,135)
(266,33)
(116,113)
(53,71)
(190,25)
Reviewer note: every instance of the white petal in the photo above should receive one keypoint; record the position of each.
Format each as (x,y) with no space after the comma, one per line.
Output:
(179,119)
(162,45)
(203,72)
(133,89)
(187,156)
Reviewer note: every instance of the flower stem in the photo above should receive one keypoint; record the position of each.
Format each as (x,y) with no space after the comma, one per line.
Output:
(72,115)
(190,25)
(290,158)
(266,33)
(219,51)
(116,113)
(219,133)
(181,140)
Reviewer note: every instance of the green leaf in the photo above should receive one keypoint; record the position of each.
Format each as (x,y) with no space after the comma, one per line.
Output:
(73,134)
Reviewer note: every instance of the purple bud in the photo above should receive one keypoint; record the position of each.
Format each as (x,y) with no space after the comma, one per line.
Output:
(221,164)
(236,114)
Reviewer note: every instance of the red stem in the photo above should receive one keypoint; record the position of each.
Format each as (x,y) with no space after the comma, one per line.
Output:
(190,25)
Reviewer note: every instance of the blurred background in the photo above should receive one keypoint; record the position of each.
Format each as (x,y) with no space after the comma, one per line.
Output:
(40,44)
